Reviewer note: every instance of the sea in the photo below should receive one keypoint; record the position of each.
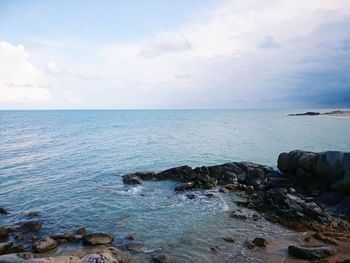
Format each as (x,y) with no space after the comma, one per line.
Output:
(68,165)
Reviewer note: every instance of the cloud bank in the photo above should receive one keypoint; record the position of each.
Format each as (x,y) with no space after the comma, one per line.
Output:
(242,54)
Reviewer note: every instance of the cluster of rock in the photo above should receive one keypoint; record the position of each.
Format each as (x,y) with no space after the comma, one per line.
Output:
(309,191)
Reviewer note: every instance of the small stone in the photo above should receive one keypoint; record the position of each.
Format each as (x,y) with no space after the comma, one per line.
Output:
(97,239)
(306,252)
(231,187)
(45,244)
(161,258)
(81,231)
(260,242)
(231,239)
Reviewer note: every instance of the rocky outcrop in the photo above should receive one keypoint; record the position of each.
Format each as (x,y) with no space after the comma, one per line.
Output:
(162,258)
(29,226)
(207,177)
(97,239)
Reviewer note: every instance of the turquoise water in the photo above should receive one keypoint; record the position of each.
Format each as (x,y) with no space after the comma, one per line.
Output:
(68,165)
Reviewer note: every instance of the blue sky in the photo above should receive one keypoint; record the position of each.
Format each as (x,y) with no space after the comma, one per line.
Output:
(174,54)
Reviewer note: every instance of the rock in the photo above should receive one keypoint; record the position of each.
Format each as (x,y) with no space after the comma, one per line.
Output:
(231,187)
(231,239)
(309,113)
(249,190)
(184,186)
(135,246)
(305,252)
(33,214)
(162,258)
(242,178)
(132,179)
(249,245)
(215,249)
(209,195)
(260,242)
(191,196)
(225,190)
(3,211)
(81,231)
(97,239)
(45,244)
(4,247)
(65,238)
(131,237)
(29,226)
(4,233)
(325,239)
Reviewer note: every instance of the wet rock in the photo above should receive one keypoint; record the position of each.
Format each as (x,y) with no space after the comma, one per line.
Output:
(131,237)
(3,211)
(162,258)
(65,238)
(305,252)
(135,246)
(184,186)
(260,242)
(325,239)
(97,239)
(4,233)
(242,178)
(191,196)
(231,187)
(249,245)
(29,226)
(81,231)
(45,244)
(15,249)
(4,247)
(215,249)
(231,239)
(33,214)
(209,195)
(225,190)
(132,179)
(249,190)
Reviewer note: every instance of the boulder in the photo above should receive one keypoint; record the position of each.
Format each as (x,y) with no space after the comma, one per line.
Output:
(29,226)
(184,186)
(162,258)
(45,244)
(315,252)
(81,231)
(132,179)
(4,233)
(97,239)
(260,242)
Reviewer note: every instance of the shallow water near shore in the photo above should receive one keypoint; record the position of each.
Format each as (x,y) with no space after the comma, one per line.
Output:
(68,165)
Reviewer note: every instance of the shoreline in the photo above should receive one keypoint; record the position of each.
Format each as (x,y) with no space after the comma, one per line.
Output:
(335,113)
(283,197)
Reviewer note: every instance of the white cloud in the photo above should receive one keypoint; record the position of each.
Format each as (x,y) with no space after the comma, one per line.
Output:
(20,81)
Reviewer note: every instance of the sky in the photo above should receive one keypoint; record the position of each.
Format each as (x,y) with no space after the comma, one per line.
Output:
(177,54)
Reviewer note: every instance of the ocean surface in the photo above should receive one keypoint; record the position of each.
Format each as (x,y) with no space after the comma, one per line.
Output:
(68,166)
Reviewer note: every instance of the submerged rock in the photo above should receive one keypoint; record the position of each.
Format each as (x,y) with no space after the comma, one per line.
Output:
(231,239)
(305,252)
(3,211)
(81,231)
(29,226)
(97,239)
(162,258)
(45,244)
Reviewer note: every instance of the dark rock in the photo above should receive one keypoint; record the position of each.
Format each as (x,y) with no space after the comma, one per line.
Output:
(81,231)
(4,233)
(162,258)
(135,246)
(260,242)
(231,239)
(45,244)
(131,237)
(305,252)
(132,179)
(324,239)
(231,187)
(242,178)
(4,247)
(184,186)
(3,211)
(249,190)
(215,249)
(209,195)
(249,245)
(29,226)
(177,173)
(191,196)
(65,238)
(33,214)
(97,239)
(308,113)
